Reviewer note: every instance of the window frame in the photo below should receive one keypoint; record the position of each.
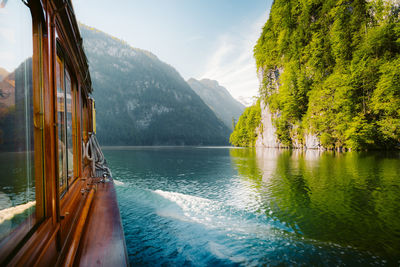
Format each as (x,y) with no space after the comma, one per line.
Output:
(76,148)
(16,237)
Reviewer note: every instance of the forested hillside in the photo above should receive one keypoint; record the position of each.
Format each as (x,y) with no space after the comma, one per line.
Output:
(332,69)
(141,100)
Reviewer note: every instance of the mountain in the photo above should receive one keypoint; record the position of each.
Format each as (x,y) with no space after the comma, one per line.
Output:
(329,74)
(141,100)
(218,99)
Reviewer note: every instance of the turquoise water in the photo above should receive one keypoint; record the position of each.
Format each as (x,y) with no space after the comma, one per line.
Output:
(242,207)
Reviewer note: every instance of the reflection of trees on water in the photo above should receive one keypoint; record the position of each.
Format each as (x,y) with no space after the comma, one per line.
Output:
(350,198)
(246,163)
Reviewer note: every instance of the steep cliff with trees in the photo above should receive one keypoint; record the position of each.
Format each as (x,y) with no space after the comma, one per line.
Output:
(330,71)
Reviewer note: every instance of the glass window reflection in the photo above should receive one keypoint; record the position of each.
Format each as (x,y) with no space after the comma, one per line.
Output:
(62,156)
(69,104)
(66,126)
(17,181)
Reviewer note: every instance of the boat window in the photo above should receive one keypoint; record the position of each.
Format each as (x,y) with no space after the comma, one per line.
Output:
(70,151)
(62,154)
(17,166)
(66,126)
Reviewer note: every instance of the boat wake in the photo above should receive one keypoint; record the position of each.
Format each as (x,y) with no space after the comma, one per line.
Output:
(186,228)
(216,215)
(118,183)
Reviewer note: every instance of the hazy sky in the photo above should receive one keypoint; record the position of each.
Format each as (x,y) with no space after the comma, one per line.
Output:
(15,35)
(200,38)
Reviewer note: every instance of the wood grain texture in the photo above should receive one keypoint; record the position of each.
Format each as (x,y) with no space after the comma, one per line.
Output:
(73,248)
(103,242)
(39,247)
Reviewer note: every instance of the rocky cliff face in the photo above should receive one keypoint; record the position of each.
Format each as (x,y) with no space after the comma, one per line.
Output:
(266,132)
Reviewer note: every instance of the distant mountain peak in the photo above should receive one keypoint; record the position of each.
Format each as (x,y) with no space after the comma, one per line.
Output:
(218,99)
(209,82)
(210,85)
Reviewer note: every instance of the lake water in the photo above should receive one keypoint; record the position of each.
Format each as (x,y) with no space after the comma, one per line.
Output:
(199,206)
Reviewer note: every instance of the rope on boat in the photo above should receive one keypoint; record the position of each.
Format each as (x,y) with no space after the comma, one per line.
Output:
(92,152)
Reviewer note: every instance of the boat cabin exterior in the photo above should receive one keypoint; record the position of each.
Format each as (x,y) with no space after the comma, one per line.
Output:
(52,205)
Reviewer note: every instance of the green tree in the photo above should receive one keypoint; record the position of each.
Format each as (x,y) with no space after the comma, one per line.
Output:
(331,68)
(244,134)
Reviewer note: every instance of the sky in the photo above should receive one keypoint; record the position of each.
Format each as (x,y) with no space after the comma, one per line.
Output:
(211,39)
(15,35)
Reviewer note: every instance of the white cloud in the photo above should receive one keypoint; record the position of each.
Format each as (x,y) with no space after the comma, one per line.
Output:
(232,63)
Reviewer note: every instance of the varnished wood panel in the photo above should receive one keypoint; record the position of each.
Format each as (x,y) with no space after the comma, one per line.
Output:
(73,247)
(103,242)
(37,246)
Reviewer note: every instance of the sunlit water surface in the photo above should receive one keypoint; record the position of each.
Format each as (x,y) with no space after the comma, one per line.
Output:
(228,207)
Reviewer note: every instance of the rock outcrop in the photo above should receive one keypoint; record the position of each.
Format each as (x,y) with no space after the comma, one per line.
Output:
(266,136)
(266,132)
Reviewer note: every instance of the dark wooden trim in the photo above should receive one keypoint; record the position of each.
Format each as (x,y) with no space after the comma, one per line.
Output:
(103,241)
(51,122)
(10,244)
(38,112)
(34,248)
(73,248)
(71,206)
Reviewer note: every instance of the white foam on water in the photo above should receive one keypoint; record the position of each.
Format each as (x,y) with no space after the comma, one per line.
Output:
(191,208)
(9,213)
(222,252)
(173,214)
(119,183)
(210,213)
